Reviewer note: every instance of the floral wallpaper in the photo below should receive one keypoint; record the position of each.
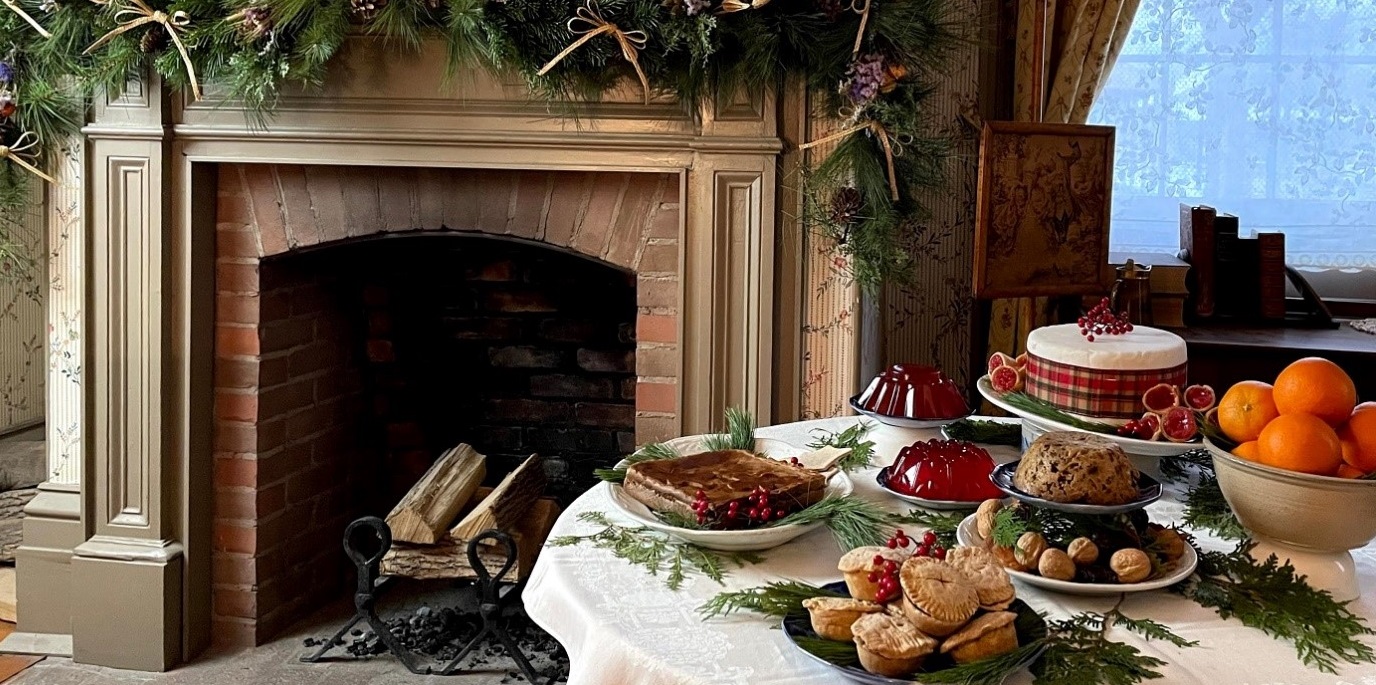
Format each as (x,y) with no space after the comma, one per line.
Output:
(22,290)
(66,288)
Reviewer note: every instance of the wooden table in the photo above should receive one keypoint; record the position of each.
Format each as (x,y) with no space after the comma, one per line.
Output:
(1225,355)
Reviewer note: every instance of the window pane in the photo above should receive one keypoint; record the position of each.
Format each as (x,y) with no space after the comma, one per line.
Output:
(1264,109)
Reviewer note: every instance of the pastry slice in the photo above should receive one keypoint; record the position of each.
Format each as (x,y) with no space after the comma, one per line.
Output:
(890,645)
(989,635)
(937,597)
(832,616)
(722,476)
(992,584)
(856,565)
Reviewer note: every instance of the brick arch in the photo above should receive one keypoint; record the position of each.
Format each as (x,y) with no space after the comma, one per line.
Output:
(613,217)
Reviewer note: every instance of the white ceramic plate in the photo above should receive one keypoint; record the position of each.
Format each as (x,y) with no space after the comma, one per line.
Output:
(882,478)
(968,536)
(1143,448)
(753,539)
(899,421)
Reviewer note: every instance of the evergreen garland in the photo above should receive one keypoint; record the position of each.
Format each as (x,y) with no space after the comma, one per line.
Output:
(249,50)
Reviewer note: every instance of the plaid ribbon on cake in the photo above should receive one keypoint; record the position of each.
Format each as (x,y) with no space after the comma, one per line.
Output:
(1095,392)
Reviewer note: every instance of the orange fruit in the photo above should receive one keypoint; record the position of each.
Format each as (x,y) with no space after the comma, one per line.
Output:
(1316,386)
(1346,471)
(1358,436)
(1300,442)
(1246,409)
(1247,450)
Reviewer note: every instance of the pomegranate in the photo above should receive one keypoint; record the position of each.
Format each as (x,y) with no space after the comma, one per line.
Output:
(1021,360)
(1211,417)
(1161,398)
(998,360)
(1179,424)
(1148,427)
(1006,379)
(1199,397)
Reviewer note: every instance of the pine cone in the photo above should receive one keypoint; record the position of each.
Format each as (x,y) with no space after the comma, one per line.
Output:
(255,22)
(366,9)
(154,39)
(845,205)
(832,9)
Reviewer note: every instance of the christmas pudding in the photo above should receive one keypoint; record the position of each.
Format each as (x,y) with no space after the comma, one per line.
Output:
(1101,376)
(713,485)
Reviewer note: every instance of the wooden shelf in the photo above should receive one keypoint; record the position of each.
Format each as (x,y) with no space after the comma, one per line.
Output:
(1221,356)
(1318,341)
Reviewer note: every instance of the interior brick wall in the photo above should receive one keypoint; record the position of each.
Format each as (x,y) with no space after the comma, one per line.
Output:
(284,384)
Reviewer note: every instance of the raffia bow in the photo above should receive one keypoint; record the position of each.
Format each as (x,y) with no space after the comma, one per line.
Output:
(588,24)
(862,8)
(25,16)
(729,6)
(878,130)
(140,15)
(21,149)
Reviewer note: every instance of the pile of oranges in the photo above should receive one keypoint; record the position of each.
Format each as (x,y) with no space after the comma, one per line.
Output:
(1307,421)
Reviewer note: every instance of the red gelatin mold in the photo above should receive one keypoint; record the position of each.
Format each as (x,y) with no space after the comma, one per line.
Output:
(914,391)
(950,470)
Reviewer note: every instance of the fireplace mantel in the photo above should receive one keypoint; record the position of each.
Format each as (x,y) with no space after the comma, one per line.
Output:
(137,587)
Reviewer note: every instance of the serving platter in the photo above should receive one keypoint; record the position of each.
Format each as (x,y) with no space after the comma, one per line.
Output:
(1029,624)
(898,421)
(1038,424)
(1148,491)
(967,534)
(744,540)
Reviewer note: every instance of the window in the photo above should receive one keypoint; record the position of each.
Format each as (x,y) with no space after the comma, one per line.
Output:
(1262,108)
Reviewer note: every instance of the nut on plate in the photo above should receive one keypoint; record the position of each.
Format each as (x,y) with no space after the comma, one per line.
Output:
(1029,549)
(1132,565)
(1056,565)
(1006,557)
(1082,551)
(984,517)
(1166,541)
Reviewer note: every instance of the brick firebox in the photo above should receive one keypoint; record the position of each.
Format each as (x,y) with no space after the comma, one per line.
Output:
(288,394)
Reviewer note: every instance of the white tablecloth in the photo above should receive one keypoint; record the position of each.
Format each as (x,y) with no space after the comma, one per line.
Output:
(621,626)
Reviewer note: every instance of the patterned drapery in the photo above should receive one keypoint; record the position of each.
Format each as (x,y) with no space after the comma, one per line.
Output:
(1065,51)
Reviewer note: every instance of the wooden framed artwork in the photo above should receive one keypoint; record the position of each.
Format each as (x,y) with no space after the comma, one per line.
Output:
(1042,210)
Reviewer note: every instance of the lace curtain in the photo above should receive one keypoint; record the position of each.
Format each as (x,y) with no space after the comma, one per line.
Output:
(1262,108)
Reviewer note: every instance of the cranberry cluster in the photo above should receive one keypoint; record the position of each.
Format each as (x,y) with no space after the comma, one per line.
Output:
(756,508)
(1102,321)
(1143,428)
(885,575)
(929,547)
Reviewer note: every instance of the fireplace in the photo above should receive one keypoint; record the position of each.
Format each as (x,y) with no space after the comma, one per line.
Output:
(502,309)
(208,285)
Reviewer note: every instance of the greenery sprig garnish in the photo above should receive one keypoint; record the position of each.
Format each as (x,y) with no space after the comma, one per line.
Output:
(1271,597)
(1205,506)
(853,521)
(739,435)
(1031,405)
(852,438)
(986,432)
(943,525)
(776,600)
(649,452)
(1079,652)
(656,552)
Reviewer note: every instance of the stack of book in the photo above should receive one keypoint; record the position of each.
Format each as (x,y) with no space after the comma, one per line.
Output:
(1234,276)
(1169,289)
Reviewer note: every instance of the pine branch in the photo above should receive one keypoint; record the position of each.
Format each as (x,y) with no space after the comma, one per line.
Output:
(833,651)
(739,435)
(986,432)
(944,525)
(1271,597)
(853,521)
(651,452)
(1045,410)
(656,552)
(852,438)
(775,600)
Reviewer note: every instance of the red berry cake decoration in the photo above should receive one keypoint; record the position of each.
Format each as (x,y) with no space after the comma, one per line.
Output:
(1101,321)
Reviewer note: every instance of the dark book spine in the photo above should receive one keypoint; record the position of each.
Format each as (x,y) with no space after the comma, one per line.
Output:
(1271,247)
(1235,269)
(1197,247)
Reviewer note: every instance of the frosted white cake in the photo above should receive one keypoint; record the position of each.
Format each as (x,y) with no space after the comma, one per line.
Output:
(1106,378)
(1141,349)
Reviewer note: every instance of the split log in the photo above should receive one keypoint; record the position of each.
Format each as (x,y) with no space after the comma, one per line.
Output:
(430,506)
(508,502)
(449,559)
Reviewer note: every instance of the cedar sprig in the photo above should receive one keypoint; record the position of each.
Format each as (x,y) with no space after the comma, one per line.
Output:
(775,600)
(1080,653)
(853,521)
(655,552)
(1205,506)
(943,525)
(1272,597)
(852,438)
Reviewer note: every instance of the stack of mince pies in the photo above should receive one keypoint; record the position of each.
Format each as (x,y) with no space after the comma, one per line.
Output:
(957,606)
